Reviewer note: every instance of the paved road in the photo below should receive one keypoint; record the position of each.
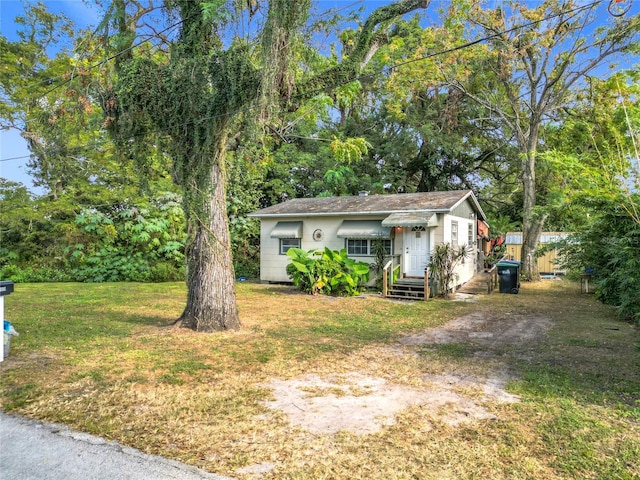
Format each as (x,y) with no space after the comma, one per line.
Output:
(32,450)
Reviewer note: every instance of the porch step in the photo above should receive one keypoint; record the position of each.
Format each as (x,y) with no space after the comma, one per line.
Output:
(407,290)
(405,297)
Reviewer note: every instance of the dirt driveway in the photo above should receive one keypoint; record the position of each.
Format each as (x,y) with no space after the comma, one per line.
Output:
(489,333)
(363,404)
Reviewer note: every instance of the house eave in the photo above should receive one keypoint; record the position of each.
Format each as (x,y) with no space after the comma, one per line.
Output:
(344,214)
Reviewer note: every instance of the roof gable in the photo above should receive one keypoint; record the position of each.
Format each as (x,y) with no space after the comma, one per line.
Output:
(371,204)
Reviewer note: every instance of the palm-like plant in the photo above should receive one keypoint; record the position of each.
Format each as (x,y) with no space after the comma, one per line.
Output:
(444,260)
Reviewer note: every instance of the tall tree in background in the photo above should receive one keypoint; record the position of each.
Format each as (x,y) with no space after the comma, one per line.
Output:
(535,67)
(419,134)
(455,142)
(591,150)
(192,96)
(596,162)
(28,103)
(53,100)
(48,83)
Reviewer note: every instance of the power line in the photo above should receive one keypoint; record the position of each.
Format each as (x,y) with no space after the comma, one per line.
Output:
(312,93)
(15,158)
(117,54)
(128,49)
(112,57)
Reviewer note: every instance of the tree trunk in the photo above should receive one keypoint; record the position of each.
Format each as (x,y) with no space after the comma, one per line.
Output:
(211,299)
(532,221)
(529,241)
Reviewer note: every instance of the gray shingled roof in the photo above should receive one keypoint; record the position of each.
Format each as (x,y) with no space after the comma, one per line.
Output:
(370,204)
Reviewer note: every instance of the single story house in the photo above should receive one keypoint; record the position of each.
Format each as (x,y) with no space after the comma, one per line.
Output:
(548,261)
(409,224)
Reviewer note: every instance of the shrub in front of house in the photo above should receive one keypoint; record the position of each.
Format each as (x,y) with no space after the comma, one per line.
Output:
(444,260)
(330,272)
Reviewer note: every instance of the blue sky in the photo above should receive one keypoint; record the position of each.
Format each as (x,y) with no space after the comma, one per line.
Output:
(85,13)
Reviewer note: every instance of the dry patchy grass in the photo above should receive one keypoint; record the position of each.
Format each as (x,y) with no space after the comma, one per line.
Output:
(103,359)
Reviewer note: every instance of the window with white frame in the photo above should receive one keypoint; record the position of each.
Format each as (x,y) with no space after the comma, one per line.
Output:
(360,247)
(471,237)
(287,243)
(454,234)
(357,246)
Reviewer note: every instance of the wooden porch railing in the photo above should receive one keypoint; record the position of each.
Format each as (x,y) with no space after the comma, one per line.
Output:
(387,277)
(426,284)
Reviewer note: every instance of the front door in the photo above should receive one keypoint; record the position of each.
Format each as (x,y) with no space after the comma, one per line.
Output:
(416,251)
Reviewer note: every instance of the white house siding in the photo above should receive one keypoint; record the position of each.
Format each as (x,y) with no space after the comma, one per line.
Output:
(396,237)
(433,234)
(466,270)
(323,214)
(439,231)
(273,266)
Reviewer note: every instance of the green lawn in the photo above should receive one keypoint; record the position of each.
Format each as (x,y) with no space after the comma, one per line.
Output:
(105,359)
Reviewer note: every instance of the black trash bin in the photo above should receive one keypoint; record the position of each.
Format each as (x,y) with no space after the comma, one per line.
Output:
(509,276)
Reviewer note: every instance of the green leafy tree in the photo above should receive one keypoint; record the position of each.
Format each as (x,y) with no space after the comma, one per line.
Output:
(54,102)
(403,131)
(192,96)
(245,182)
(130,243)
(17,214)
(591,149)
(28,71)
(430,133)
(51,101)
(32,234)
(610,247)
(594,171)
(44,240)
(537,57)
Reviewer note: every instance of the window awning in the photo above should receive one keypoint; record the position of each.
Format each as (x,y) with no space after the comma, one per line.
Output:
(287,230)
(411,219)
(363,229)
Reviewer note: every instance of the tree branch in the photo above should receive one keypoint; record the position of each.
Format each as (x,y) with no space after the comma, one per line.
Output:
(368,38)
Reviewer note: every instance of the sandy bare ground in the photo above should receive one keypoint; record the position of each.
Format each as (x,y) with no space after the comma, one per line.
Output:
(485,331)
(364,404)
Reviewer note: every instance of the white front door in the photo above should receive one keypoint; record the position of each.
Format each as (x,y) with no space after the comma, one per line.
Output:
(416,251)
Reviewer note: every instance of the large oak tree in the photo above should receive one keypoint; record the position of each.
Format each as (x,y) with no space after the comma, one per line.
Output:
(193,94)
(538,57)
